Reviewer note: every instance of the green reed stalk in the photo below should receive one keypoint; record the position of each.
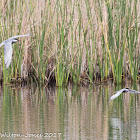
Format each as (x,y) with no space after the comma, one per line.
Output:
(132,38)
(41,48)
(103,54)
(77,56)
(90,50)
(107,30)
(60,71)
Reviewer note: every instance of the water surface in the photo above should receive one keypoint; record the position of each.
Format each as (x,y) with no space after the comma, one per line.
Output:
(72,112)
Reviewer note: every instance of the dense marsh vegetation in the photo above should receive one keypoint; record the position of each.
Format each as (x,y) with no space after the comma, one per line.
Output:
(82,41)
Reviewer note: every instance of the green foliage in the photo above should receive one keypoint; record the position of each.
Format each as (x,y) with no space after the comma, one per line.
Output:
(78,37)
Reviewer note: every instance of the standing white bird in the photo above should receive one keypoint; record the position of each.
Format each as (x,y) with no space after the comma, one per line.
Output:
(8,48)
(122,91)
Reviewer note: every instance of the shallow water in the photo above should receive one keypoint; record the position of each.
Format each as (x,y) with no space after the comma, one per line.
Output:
(69,113)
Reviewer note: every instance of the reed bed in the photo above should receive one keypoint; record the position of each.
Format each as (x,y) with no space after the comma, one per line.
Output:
(71,41)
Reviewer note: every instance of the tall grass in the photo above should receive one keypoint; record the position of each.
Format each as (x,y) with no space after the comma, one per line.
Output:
(79,41)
